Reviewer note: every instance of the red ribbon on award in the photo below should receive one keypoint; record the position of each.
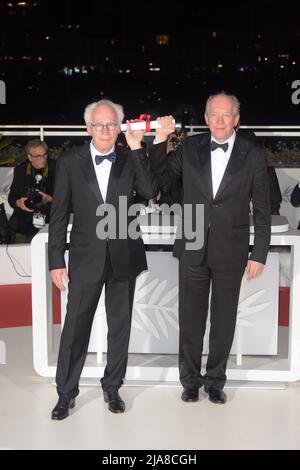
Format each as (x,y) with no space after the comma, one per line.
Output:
(144,118)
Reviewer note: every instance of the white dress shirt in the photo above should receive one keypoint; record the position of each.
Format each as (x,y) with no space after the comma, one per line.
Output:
(102,170)
(219,160)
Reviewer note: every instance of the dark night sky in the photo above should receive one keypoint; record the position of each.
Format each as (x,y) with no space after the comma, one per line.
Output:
(184,16)
(174,16)
(187,23)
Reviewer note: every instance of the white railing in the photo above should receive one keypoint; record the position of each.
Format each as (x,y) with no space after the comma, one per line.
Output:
(44,130)
(287,177)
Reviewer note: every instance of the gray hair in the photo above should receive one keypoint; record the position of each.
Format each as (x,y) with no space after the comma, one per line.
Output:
(32,144)
(90,108)
(233,98)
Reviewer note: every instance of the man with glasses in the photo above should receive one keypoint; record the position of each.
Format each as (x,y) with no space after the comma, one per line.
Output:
(32,189)
(88,177)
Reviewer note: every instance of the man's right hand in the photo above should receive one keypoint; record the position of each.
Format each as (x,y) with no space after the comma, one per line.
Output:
(167,128)
(134,138)
(58,275)
(20,203)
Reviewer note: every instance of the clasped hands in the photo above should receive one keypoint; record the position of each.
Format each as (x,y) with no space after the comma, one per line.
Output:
(134,137)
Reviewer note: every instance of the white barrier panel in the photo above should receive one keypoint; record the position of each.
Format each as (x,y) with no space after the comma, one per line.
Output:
(155,311)
(268,367)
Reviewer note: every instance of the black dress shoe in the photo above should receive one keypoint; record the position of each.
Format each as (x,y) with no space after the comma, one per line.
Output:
(115,402)
(61,410)
(216,395)
(190,394)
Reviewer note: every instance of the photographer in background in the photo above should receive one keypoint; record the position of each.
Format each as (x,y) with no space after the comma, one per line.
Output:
(31,190)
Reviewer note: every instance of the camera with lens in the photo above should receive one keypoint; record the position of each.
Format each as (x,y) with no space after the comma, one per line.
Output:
(34,199)
(176,142)
(177,139)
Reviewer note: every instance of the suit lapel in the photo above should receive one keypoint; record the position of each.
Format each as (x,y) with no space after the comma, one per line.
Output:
(115,173)
(85,160)
(204,161)
(235,163)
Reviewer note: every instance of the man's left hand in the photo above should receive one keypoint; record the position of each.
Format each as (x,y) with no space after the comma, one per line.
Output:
(46,197)
(254,269)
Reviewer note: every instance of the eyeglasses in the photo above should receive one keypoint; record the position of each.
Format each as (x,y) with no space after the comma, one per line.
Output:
(44,155)
(99,126)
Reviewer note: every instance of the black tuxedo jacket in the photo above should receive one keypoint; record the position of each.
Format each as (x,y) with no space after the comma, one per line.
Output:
(77,191)
(226,217)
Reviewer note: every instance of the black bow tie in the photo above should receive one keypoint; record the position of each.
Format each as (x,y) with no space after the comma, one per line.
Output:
(110,156)
(214,145)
